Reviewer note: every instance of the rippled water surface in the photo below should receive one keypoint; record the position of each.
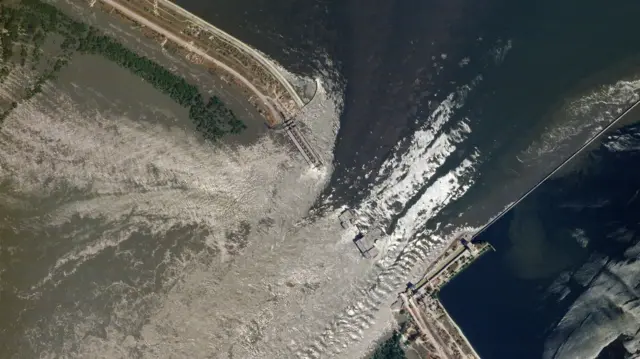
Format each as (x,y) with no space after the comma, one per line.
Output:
(124,235)
(563,282)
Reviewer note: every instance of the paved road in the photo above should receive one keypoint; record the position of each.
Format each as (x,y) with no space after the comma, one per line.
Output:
(423,326)
(296,136)
(442,262)
(171,36)
(239,44)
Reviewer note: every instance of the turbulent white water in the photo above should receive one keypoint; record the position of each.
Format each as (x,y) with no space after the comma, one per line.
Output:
(412,185)
(252,280)
(128,176)
(210,253)
(608,308)
(154,244)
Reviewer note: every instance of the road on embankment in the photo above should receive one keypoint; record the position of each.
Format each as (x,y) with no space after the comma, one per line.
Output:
(297,138)
(268,64)
(134,16)
(635,106)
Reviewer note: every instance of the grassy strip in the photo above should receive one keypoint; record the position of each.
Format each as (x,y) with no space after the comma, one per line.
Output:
(36,19)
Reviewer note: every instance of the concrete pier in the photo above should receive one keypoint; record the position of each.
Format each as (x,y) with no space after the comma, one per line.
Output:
(302,144)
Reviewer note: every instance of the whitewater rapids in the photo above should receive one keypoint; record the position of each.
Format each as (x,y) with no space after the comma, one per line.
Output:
(132,238)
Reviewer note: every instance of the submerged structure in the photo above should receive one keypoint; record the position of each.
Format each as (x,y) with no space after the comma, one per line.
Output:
(347,218)
(366,243)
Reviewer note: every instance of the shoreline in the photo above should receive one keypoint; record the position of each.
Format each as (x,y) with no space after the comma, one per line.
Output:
(202,43)
(259,56)
(430,330)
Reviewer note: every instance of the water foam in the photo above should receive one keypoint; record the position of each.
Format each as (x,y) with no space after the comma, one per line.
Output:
(300,288)
(132,176)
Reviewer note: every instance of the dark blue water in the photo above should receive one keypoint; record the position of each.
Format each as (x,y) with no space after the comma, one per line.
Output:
(387,60)
(384,53)
(511,312)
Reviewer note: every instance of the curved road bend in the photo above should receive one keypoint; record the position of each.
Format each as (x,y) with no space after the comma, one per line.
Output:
(238,44)
(302,145)
(171,36)
(423,327)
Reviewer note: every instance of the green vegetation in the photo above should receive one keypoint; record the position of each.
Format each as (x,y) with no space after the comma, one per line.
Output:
(390,349)
(29,22)
(211,118)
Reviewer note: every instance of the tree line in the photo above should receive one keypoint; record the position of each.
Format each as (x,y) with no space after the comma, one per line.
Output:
(390,349)
(211,117)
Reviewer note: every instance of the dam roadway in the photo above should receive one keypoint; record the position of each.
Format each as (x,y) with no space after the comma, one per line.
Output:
(248,67)
(237,43)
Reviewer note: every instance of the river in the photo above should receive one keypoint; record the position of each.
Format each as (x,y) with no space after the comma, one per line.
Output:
(433,116)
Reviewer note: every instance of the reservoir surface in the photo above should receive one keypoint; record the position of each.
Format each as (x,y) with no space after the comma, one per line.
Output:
(556,250)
